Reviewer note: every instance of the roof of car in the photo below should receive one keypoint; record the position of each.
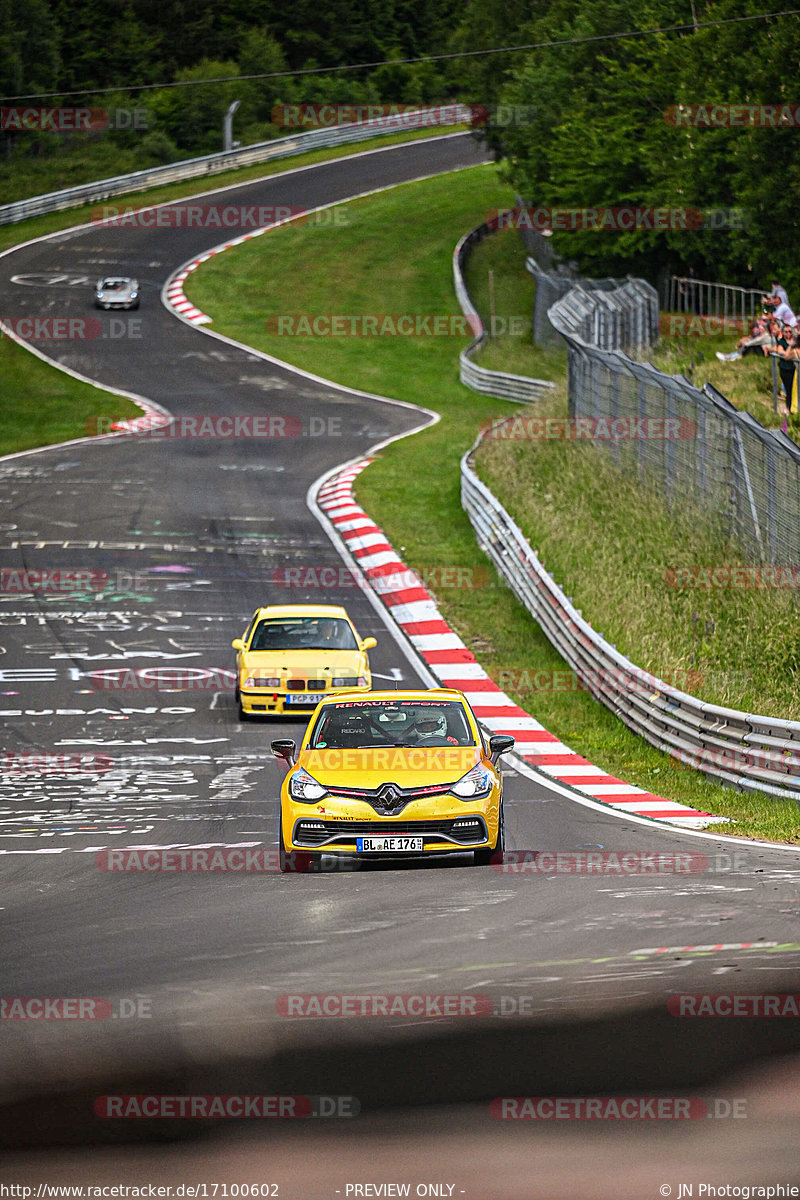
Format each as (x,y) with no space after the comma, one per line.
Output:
(406,694)
(302,610)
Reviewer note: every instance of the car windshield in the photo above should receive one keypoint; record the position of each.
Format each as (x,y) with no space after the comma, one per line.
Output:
(304,633)
(352,724)
(113,285)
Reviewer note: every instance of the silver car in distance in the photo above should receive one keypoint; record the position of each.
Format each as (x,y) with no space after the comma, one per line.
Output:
(116,291)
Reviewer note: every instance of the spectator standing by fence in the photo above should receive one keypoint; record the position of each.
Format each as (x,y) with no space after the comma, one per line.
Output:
(781,310)
(779,291)
(784,350)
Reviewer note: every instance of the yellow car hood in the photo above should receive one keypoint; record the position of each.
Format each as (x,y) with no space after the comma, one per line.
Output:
(413,767)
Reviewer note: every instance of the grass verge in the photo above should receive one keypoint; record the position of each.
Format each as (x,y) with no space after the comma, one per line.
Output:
(40,405)
(413,491)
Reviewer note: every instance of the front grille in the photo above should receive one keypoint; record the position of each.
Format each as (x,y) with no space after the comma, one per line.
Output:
(368,794)
(315,685)
(305,685)
(321,833)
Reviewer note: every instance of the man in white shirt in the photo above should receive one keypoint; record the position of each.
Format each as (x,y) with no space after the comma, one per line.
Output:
(781,310)
(779,291)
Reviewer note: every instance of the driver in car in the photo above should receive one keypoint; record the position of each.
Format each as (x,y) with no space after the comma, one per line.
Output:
(330,634)
(431,727)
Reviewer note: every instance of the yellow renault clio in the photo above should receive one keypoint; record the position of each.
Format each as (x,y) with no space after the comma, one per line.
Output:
(292,655)
(392,774)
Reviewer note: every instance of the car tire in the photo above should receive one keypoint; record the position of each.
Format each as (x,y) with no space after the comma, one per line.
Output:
(483,858)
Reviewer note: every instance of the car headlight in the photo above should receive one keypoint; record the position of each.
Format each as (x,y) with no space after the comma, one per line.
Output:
(305,788)
(477,782)
(349,681)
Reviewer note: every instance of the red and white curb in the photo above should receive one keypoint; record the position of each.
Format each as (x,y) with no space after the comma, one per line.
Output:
(173,292)
(176,299)
(446,656)
(154,418)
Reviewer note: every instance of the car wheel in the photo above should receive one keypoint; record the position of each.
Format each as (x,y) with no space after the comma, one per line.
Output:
(483,858)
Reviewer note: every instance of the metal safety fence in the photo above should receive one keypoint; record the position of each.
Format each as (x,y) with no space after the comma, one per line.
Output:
(623,317)
(743,750)
(717,458)
(226,160)
(701,297)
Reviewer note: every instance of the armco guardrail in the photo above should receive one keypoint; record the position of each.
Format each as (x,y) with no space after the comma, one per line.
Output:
(213,164)
(746,751)
(621,318)
(518,388)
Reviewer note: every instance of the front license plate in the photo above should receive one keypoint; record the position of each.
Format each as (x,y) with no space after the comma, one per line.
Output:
(305,698)
(388,844)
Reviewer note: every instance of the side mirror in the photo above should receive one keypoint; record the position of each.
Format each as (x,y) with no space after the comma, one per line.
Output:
(500,743)
(368,643)
(238,643)
(284,748)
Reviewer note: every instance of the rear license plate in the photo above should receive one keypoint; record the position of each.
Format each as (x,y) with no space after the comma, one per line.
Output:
(305,698)
(388,843)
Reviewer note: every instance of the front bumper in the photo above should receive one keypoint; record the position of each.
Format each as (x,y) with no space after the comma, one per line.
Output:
(445,824)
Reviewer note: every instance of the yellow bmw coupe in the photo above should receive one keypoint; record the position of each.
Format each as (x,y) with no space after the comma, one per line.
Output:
(292,655)
(392,774)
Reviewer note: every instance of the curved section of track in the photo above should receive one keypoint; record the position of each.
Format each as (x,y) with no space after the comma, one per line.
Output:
(190,533)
